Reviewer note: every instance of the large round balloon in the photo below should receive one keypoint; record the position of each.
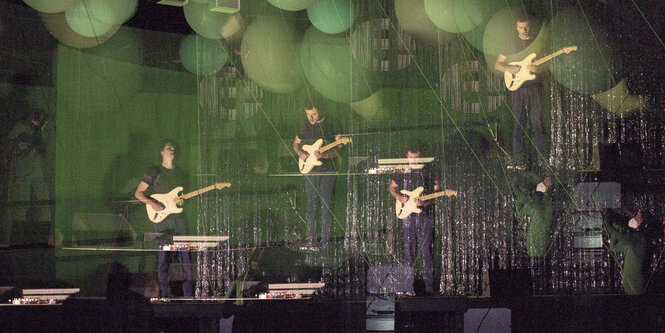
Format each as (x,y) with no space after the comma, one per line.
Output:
(206,23)
(291,5)
(203,56)
(413,19)
(81,21)
(377,106)
(456,15)
(112,12)
(50,6)
(57,26)
(589,69)
(270,55)
(331,16)
(501,31)
(329,66)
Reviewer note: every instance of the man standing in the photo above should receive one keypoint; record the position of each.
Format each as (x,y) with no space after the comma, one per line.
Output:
(417,228)
(528,99)
(320,181)
(163,179)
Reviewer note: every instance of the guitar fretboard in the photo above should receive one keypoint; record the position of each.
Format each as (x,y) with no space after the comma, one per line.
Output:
(436,195)
(549,57)
(197,192)
(329,146)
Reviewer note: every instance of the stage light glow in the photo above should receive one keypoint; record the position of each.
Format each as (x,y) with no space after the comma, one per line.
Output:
(203,56)
(270,55)
(457,15)
(292,5)
(413,19)
(329,66)
(590,69)
(50,6)
(204,22)
(112,12)
(57,26)
(331,16)
(81,21)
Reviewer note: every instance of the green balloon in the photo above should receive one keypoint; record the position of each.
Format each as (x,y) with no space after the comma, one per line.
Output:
(270,55)
(81,21)
(50,6)
(203,56)
(456,15)
(501,30)
(413,19)
(591,68)
(112,12)
(291,5)
(329,66)
(204,22)
(331,16)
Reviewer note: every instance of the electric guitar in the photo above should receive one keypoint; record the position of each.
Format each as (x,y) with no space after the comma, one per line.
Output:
(171,201)
(515,81)
(308,164)
(403,210)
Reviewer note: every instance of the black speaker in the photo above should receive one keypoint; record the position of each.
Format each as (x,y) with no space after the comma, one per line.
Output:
(510,282)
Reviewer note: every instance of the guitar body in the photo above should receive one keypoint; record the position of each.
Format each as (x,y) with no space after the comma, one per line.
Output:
(168,200)
(307,165)
(515,81)
(403,210)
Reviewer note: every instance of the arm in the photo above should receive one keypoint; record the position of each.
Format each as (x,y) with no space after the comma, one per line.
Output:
(392,188)
(140,194)
(332,153)
(296,147)
(501,66)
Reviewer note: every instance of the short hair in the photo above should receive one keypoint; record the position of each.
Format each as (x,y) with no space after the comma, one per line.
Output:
(166,141)
(524,17)
(415,146)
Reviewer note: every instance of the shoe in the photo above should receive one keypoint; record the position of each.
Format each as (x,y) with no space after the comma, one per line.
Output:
(405,293)
(516,167)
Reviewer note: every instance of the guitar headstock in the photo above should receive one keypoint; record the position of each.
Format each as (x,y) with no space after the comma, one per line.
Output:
(345,140)
(220,186)
(451,193)
(569,49)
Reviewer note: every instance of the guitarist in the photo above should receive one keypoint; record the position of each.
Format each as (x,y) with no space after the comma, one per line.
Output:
(320,182)
(162,179)
(528,99)
(417,228)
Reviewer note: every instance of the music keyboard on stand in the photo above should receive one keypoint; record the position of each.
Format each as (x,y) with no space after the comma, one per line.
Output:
(291,290)
(194,243)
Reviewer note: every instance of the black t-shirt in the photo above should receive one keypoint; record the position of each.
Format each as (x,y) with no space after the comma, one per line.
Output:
(326,129)
(425,177)
(163,180)
(514,46)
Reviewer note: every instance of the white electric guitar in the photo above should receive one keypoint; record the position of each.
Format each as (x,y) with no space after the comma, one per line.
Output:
(403,210)
(172,201)
(307,165)
(515,81)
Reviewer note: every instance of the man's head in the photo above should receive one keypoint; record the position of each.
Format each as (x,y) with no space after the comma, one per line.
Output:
(313,115)
(523,27)
(168,151)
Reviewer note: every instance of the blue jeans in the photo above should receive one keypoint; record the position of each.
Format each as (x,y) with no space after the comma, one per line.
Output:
(417,230)
(527,104)
(173,225)
(319,190)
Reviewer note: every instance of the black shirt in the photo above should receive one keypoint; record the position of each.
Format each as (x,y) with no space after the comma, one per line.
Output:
(163,180)
(325,129)
(425,177)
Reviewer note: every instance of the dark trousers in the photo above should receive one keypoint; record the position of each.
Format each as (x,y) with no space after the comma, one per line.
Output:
(319,190)
(417,229)
(173,225)
(527,105)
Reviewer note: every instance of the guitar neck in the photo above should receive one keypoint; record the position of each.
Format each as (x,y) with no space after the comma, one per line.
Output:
(432,196)
(329,146)
(197,192)
(548,58)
